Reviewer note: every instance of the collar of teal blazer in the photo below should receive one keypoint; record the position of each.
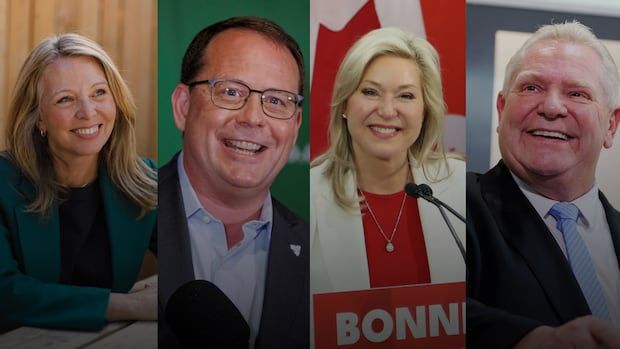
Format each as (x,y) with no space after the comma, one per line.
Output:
(129,236)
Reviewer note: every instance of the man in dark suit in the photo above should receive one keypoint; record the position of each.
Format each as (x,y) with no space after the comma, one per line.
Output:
(542,241)
(239,107)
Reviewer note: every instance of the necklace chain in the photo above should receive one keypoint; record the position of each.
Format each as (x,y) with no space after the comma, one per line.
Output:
(389,246)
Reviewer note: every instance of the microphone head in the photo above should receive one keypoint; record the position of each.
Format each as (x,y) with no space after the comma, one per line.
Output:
(419,191)
(412,189)
(202,316)
(425,190)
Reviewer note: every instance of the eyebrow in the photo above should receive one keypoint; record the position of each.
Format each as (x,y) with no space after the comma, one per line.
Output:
(400,87)
(531,75)
(527,75)
(53,94)
(104,82)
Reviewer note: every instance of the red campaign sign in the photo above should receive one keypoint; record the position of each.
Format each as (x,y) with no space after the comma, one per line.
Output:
(418,316)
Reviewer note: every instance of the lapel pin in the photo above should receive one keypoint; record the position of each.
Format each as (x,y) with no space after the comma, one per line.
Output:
(296,249)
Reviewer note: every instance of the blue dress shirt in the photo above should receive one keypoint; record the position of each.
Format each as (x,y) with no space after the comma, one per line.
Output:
(239,272)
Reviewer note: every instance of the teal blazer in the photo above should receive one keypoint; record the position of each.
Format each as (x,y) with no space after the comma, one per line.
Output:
(30,293)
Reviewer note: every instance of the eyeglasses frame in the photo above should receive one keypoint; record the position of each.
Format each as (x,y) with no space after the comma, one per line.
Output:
(212,82)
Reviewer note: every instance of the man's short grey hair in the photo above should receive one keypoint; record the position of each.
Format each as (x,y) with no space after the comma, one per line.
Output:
(572,32)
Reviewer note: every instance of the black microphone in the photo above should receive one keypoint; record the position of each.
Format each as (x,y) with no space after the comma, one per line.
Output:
(425,192)
(202,316)
(417,191)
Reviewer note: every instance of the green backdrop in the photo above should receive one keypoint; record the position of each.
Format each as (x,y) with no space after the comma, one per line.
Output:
(178,22)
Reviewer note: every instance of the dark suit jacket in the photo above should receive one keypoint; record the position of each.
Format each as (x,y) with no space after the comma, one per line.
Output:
(30,257)
(286,306)
(518,277)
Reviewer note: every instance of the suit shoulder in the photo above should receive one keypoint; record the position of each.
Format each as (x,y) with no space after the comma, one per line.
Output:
(472,186)
(456,169)
(441,169)
(456,164)
(168,170)
(11,178)
(610,210)
(473,177)
(9,173)
(442,172)
(286,213)
(316,173)
(6,164)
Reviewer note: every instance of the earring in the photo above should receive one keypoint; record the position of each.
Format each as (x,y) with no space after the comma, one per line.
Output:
(344,116)
(43,133)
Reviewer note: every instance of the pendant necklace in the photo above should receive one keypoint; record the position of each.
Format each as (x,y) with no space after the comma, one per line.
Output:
(389,246)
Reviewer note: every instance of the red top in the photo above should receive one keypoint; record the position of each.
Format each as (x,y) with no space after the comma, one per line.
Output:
(408,263)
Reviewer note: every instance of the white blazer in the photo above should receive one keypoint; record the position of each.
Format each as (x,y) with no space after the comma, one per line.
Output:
(338,259)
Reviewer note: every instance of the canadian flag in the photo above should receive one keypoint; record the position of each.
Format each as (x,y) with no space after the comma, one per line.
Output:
(336,25)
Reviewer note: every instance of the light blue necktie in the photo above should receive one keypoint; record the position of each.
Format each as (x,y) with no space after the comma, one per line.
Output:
(566,215)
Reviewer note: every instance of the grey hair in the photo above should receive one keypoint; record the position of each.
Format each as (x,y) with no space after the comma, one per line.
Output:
(572,32)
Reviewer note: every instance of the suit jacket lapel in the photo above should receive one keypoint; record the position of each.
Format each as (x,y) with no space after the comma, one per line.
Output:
(343,246)
(613,219)
(128,234)
(39,240)
(527,233)
(174,252)
(444,259)
(40,237)
(287,277)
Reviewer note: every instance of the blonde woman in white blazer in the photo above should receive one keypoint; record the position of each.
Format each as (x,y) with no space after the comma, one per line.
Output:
(385,131)
(338,252)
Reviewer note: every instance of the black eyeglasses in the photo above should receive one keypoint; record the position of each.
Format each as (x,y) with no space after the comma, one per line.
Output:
(233,95)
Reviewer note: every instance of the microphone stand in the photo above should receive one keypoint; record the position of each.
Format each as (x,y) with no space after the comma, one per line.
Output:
(458,241)
(428,196)
(438,202)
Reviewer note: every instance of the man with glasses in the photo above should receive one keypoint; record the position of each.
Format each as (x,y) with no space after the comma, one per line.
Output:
(239,107)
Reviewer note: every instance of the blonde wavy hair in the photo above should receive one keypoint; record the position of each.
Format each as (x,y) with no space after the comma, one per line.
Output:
(30,152)
(429,144)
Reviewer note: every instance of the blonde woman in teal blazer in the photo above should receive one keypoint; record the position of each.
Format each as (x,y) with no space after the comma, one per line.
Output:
(71,124)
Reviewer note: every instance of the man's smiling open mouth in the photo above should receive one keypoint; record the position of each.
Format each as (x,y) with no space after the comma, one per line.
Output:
(244,147)
(551,134)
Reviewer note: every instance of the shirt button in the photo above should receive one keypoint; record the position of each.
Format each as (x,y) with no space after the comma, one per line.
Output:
(206,219)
